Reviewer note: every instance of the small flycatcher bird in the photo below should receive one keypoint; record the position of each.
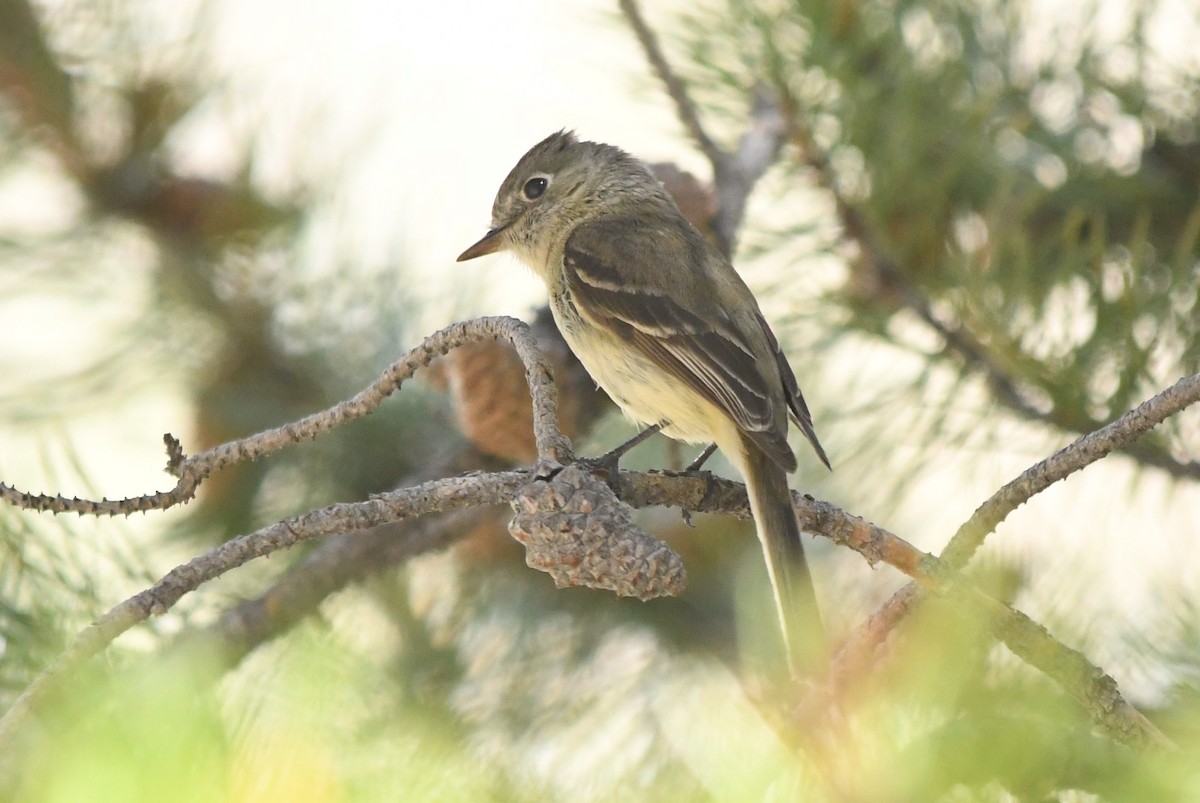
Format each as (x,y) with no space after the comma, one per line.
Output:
(666,326)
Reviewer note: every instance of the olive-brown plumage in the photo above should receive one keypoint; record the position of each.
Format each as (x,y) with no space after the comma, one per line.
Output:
(668,328)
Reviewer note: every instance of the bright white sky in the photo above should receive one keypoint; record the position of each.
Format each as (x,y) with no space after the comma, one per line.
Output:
(437,101)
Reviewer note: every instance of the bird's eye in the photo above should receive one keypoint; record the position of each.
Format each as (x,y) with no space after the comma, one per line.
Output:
(535,187)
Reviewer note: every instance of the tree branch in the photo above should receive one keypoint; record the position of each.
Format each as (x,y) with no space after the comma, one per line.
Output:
(487,387)
(696,492)
(1091,687)
(856,651)
(340,560)
(734,174)
(347,558)
(438,496)
(552,445)
(959,340)
(684,106)
(1120,434)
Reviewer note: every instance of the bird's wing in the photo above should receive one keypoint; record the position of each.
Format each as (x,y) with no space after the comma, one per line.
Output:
(791,390)
(686,330)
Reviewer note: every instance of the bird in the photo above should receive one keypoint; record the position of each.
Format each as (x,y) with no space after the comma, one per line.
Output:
(666,327)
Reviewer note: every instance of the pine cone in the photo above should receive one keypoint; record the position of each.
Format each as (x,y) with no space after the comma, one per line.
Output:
(575,529)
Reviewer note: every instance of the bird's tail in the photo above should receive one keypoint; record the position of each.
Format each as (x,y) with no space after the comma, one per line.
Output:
(779,533)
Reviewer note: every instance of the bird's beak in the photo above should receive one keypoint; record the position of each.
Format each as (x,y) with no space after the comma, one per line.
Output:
(491,242)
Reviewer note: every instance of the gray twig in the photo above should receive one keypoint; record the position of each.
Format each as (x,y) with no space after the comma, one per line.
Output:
(552,445)
(1095,691)
(684,106)
(431,497)
(861,644)
(1066,461)
(734,174)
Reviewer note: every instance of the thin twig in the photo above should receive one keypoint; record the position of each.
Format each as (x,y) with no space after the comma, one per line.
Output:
(958,339)
(352,557)
(552,445)
(734,174)
(1095,691)
(684,106)
(341,560)
(1081,453)
(432,497)
(857,649)
(1066,461)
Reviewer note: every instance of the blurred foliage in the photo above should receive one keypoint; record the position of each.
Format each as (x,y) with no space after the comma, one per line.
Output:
(164,278)
(1010,198)
(1017,182)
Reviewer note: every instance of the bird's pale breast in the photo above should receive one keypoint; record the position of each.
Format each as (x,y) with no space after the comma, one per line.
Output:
(644,392)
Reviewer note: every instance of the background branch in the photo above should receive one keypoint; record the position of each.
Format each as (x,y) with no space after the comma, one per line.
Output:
(734,174)
(438,496)
(855,654)
(1096,691)
(685,107)
(551,443)
(890,281)
(696,492)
